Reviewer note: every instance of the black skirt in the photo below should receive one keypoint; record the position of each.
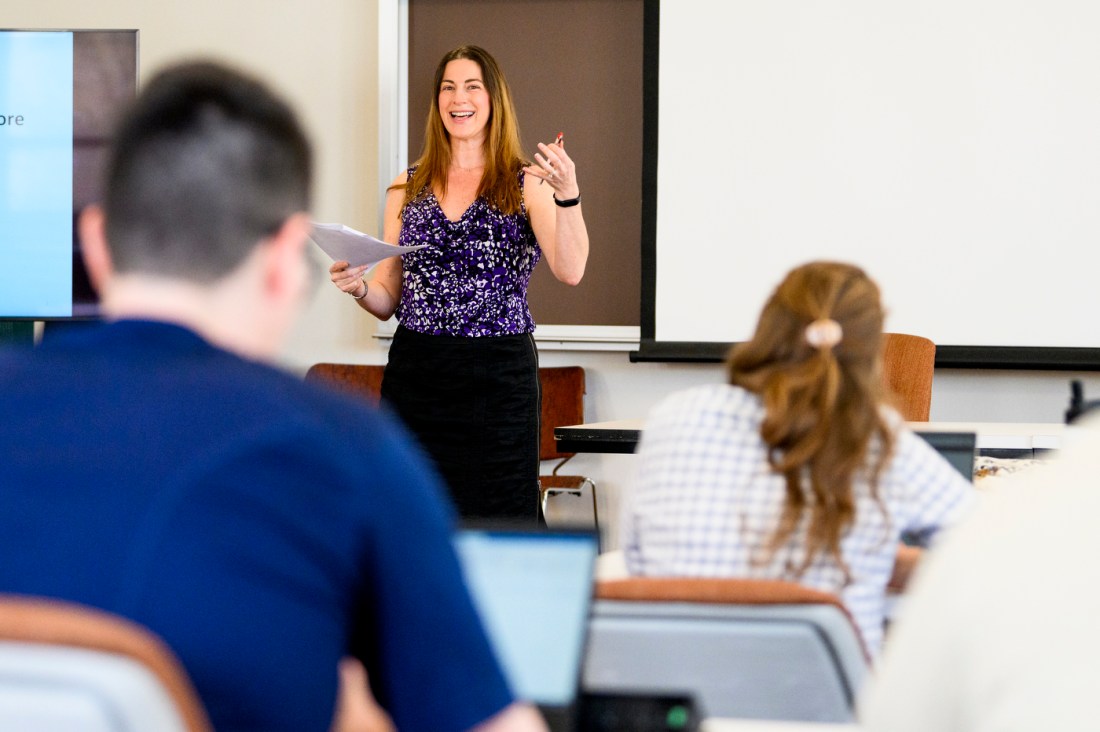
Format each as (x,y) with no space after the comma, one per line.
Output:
(474,405)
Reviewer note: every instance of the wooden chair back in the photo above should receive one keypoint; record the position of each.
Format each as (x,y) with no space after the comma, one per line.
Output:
(39,636)
(759,649)
(908,365)
(362,379)
(562,404)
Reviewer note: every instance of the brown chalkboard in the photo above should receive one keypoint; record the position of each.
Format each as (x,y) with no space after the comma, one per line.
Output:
(574,66)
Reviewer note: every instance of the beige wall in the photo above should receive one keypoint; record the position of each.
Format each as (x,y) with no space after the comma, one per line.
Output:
(321,55)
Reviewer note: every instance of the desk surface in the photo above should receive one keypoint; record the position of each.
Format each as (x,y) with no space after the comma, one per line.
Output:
(752,725)
(621,436)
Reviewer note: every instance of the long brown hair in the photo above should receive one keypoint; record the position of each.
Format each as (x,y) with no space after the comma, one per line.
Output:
(821,402)
(503,152)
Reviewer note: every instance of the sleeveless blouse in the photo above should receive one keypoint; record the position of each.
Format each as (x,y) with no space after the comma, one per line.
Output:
(471,279)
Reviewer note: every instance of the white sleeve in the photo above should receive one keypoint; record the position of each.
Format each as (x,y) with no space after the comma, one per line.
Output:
(925,491)
(638,497)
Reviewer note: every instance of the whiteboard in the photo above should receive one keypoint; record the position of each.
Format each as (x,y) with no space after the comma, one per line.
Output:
(949,147)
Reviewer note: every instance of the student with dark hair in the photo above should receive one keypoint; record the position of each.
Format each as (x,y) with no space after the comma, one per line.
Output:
(463,368)
(794,469)
(155,467)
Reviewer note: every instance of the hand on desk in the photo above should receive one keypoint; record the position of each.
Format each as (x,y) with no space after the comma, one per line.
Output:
(905,561)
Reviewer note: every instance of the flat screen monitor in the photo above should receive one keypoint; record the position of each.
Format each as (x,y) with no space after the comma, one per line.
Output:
(61,92)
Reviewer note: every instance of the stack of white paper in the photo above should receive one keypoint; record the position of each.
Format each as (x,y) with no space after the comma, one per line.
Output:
(344,243)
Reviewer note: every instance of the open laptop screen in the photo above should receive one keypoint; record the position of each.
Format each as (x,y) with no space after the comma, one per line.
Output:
(958,448)
(533,591)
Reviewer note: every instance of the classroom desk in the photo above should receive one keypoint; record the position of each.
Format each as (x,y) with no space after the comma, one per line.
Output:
(995,439)
(752,725)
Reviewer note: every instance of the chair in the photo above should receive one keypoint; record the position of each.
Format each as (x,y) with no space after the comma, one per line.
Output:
(754,649)
(908,364)
(362,379)
(562,390)
(68,667)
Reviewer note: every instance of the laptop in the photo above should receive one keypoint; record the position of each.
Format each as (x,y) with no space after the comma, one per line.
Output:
(958,448)
(533,590)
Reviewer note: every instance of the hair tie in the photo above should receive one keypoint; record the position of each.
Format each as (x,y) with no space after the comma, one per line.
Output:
(824,333)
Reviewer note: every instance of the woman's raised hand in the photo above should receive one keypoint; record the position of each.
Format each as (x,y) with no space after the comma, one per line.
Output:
(554,166)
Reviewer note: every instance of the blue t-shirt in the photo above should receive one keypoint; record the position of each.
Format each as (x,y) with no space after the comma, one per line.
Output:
(263,527)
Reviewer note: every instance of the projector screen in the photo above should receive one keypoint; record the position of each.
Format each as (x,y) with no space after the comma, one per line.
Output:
(949,147)
(60,93)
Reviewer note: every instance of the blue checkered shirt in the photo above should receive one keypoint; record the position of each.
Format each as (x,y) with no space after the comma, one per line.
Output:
(706,503)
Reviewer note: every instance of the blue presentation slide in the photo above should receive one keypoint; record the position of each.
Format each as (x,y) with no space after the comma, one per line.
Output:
(36,174)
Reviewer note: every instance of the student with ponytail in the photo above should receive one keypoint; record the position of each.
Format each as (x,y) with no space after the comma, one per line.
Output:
(795,469)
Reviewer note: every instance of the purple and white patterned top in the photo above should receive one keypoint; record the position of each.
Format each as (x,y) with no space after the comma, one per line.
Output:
(471,280)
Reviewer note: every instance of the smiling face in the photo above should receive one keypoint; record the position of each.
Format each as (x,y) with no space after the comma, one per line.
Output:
(464,104)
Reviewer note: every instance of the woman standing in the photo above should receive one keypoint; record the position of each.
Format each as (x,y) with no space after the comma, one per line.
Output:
(463,368)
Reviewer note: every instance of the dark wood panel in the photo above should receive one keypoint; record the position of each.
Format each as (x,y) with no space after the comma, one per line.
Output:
(574,66)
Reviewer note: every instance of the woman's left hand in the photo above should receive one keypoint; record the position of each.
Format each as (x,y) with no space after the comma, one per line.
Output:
(554,166)
(559,229)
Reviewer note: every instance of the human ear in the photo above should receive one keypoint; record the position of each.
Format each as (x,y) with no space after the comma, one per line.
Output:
(93,247)
(287,271)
